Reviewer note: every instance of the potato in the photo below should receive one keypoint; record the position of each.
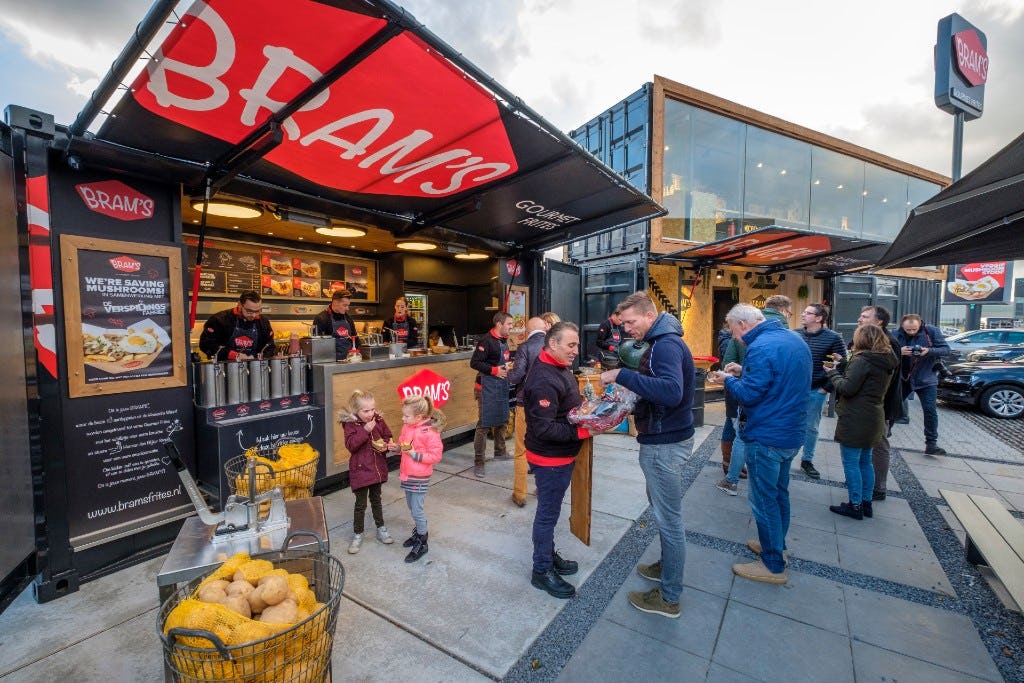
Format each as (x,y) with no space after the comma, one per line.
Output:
(238,603)
(242,588)
(285,612)
(256,602)
(218,582)
(276,572)
(212,593)
(275,589)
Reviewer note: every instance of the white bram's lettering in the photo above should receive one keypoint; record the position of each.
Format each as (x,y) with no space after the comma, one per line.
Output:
(223,58)
(279,60)
(98,199)
(355,134)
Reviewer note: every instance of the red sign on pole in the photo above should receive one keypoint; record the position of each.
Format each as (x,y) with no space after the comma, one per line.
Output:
(971,57)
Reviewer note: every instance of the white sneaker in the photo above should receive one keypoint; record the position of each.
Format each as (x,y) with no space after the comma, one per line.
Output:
(383,536)
(357,542)
(727,486)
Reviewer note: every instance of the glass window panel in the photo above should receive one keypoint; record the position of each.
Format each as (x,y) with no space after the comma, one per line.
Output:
(918,192)
(777,175)
(884,203)
(837,193)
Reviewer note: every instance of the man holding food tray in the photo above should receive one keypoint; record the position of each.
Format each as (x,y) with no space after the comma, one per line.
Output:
(334,321)
(238,333)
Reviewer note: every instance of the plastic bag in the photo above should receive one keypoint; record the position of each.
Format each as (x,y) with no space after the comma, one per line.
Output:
(599,413)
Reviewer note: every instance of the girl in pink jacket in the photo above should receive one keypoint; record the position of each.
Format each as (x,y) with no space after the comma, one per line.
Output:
(420,443)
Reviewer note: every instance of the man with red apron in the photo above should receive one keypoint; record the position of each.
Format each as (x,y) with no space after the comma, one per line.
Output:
(609,337)
(335,321)
(402,327)
(238,333)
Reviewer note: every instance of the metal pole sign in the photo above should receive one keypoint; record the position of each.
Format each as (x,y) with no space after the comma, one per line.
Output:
(961,67)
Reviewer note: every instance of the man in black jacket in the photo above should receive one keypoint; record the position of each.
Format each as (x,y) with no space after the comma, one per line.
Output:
(609,337)
(490,359)
(921,347)
(526,354)
(238,333)
(552,443)
(334,321)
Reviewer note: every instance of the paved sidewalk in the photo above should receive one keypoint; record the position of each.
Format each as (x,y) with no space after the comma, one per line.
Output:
(885,599)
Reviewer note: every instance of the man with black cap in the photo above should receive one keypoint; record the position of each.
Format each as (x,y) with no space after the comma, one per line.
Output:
(238,333)
(335,321)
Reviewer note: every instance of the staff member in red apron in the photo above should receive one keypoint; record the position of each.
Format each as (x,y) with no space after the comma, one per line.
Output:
(238,333)
(336,322)
(609,337)
(402,327)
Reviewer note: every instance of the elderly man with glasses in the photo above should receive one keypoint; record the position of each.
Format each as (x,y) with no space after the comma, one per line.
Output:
(825,345)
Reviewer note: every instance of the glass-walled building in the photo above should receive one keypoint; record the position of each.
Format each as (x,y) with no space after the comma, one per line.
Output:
(721,170)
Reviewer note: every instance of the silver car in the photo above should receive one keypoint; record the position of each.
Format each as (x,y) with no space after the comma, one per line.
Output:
(962,344)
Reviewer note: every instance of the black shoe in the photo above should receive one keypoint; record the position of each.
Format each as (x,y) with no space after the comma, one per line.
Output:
(554,584)
(809,470)
(419,549)
(865,508)
(848,510)
(411,541)
(564,567)
(878,495)
(932,449)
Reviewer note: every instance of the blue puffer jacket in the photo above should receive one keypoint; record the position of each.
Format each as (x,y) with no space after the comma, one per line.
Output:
(664,382)
(772,391)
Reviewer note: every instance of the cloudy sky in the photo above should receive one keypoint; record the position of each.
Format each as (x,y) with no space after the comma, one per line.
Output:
(861,71)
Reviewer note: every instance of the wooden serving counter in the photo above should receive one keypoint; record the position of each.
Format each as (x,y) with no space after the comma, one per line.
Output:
(335,382)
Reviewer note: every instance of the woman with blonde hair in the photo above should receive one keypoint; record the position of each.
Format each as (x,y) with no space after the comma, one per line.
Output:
(861,424)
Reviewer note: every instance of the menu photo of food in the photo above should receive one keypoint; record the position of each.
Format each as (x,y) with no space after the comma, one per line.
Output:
(307,287)
(307,268)
(357,279)
(277,285)
(120,350)
(332,287)
(276,262)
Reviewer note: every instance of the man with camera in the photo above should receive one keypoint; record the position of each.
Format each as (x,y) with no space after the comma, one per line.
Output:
(921,350)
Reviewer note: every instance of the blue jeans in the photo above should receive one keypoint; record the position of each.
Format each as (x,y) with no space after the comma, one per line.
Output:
(815,402)
(415,503)
(729,430)
(931,414)
(860,473)
(662,465)
(552,483)
(738,455)
(768,468)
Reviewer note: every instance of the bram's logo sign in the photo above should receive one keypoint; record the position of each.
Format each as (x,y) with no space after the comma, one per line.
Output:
(126,264)
(115,199)
(971,57)
(427,383)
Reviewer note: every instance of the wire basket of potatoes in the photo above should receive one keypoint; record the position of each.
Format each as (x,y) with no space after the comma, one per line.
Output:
(269,618)
(291,466)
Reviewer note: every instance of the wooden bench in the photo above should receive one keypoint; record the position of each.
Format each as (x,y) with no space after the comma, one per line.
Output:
(994,538)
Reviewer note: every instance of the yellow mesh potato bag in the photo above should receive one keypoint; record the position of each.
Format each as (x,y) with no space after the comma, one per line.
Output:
(254,570)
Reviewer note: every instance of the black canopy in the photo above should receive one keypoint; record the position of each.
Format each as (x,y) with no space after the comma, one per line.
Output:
(352,108)
(774,248)
(978,218)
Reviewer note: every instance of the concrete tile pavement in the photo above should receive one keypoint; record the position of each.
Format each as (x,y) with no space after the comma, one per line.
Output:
(858,606)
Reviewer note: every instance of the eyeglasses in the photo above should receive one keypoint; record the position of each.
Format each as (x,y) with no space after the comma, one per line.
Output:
(250,311)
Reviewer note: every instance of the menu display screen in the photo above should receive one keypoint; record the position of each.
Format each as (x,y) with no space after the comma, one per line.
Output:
(230,268)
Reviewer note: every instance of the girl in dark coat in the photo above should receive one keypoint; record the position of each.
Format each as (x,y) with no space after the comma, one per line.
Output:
(861,425)
(368,439)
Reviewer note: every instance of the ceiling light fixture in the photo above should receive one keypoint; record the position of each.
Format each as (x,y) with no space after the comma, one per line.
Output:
(342,231)
(473,256)
(227,208)
(718,275)
(416,245)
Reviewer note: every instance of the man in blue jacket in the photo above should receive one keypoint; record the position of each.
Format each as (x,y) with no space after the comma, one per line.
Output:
(921,348)
(664,422)
(771,388)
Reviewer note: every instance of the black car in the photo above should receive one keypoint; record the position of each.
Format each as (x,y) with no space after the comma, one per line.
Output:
(997,353)
(997,388)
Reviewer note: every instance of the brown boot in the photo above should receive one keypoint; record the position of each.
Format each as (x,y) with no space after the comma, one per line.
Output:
(726,456)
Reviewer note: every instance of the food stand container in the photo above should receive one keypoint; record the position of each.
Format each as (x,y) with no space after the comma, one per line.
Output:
(237,374)
(222,653)
(297,374)
(259,380)
(318,349)
(212,385)
(278,377)
(374,351)
(396,349)
(295,477)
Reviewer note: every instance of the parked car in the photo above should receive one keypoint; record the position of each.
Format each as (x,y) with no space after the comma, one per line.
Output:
(996,388)
(996,353)
(962,344)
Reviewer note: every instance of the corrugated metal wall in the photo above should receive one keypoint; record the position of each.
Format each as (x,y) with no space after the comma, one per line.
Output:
(620,137)
(900,295)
